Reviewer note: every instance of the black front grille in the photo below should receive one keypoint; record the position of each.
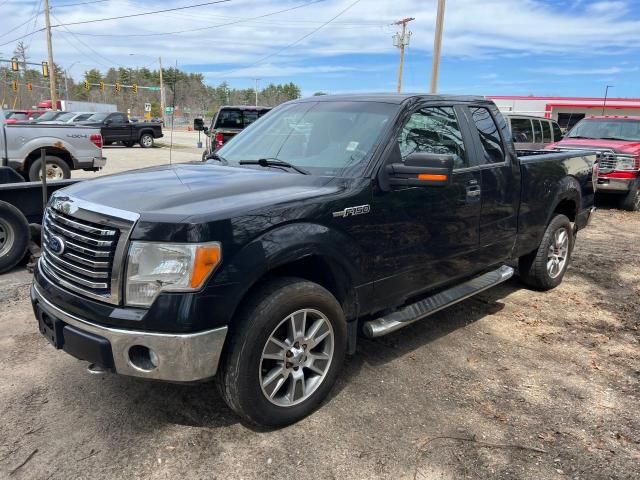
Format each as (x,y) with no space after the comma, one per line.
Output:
(78,254)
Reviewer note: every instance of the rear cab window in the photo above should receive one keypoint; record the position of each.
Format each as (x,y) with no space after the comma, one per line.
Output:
(237,118)
(489,135)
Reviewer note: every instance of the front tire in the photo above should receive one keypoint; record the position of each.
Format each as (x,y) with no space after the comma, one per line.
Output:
(285,352)
(14,236)
(146,140)
(57,169)
(544,268)
(631,201)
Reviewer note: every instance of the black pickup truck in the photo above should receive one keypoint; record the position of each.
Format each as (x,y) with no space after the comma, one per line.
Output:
(116,127)
(332,216)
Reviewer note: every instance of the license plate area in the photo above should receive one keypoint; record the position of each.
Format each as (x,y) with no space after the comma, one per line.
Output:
(51,329)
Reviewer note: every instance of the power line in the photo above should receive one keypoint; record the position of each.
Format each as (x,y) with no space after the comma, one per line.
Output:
(65,5)
(271,55)
(111,62)
(140,14)
(219,25)
(21,25)
(22,36)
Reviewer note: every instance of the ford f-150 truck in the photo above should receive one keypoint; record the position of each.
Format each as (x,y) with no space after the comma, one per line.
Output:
(331,216)
(67,148)
(116,127)
(617,141)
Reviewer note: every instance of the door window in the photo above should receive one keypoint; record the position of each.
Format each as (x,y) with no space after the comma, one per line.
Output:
(546,132)
(119,118)
(521,130)
(537,129)
(557,133)
(489,135)
(433,130)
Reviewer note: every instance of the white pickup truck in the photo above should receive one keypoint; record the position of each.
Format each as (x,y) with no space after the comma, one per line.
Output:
(67,148)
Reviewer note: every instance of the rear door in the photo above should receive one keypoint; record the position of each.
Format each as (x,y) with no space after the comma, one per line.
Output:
(427,236)
(500,184)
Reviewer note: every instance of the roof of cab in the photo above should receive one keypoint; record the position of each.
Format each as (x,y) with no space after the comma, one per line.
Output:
(395,98)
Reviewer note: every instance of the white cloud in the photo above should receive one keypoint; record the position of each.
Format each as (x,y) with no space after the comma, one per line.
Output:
(473,28)
(583,71)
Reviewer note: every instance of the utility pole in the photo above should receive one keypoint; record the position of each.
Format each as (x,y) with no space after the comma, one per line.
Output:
(437,46)
(52,67)
(161,92)
(257,80)
(401,40)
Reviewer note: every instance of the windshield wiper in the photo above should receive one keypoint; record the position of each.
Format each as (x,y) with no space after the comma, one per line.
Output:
(273,162)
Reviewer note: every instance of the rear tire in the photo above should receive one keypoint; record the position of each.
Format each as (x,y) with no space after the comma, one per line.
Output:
(57,169)
(128,144)
(544,268)
(14,236)
(631,201)
(270,375)
(146,140)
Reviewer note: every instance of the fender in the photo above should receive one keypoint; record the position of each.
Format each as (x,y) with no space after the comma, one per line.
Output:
(568,189)
(278,247)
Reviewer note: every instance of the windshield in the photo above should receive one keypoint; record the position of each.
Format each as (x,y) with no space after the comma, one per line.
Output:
(97,117)
(607,128)
(325,138)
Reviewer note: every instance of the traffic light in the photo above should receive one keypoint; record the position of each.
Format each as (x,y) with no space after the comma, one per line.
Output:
(135,88)
(45,69)
(118,87)
(87,87)
(102,86)
(14,85)
(30,86)
(14,64)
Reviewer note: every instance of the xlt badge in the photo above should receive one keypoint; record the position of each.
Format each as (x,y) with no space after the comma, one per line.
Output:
(359,210)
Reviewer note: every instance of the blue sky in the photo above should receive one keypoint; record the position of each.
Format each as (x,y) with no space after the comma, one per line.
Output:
(490,47)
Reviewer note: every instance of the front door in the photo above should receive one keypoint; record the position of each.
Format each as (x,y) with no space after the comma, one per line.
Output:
(427,235)
(118,128)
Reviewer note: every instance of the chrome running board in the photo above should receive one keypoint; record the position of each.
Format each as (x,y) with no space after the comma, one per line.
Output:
(430,305)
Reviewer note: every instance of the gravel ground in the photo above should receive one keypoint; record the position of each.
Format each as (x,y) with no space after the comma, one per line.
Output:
(512,384)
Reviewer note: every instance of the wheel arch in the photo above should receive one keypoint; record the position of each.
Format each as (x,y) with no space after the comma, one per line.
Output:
(52,151)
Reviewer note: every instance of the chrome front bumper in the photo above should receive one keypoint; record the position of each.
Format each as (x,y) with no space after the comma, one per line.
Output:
(179,357)
(621,185)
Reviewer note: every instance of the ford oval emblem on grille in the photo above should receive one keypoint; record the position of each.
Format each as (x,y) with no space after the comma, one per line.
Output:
(56,245)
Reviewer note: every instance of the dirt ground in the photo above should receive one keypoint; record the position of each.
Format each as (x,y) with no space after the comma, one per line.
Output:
(512,384)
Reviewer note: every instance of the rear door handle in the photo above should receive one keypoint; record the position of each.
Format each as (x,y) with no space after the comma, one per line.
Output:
(473,191)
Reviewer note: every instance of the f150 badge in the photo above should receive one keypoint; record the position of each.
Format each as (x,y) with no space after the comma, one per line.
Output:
(350,211)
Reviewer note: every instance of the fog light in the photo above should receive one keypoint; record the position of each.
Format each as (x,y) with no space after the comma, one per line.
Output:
(143,358)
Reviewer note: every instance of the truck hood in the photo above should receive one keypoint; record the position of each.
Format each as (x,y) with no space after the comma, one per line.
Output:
(198,192)
(618,146)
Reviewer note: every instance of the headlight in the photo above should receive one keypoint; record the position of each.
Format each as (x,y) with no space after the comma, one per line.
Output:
(167,267)
(626,163)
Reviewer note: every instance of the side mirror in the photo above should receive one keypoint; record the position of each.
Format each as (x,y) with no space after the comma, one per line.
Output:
(421,170)
(198,124)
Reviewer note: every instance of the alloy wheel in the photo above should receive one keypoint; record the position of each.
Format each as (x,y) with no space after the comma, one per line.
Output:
(558,253)
(6,237)
(296,357)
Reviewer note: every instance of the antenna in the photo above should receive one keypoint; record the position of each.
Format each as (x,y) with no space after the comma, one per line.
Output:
(173,110)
